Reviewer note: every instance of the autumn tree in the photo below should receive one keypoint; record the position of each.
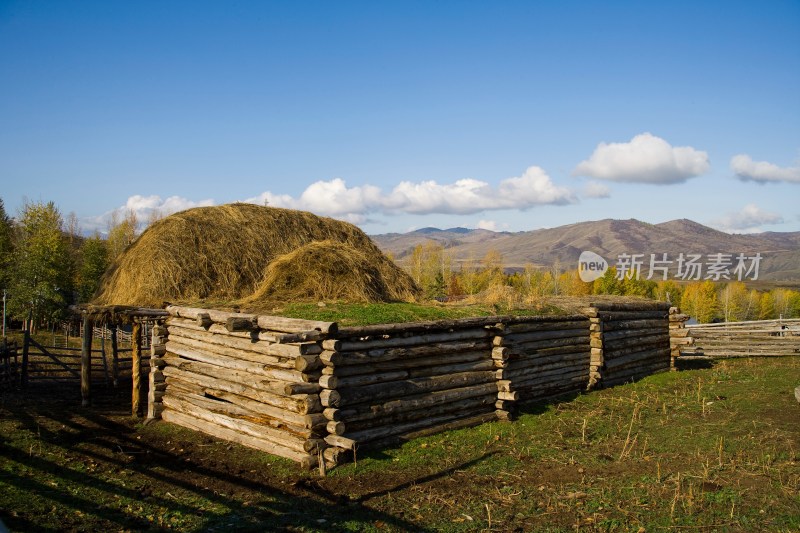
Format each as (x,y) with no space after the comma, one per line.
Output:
(121,232)
(700,300)
(43,267)
(6,247)
(94,261)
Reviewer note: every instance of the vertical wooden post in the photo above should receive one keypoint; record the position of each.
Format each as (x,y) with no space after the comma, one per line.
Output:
(136,370)
(86,362)
(114,356)
(26,343)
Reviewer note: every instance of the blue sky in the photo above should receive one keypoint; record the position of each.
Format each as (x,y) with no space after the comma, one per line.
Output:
(399,115)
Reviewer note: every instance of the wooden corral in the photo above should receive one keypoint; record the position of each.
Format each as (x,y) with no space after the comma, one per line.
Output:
(315,393)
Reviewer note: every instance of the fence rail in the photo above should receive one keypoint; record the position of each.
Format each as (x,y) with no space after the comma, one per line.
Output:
(9,365)
(757,338)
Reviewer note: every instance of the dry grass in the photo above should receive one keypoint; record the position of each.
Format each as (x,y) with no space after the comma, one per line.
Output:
(222,253)
(332,271)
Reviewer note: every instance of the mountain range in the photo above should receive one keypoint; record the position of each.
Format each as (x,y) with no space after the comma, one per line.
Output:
(609,238)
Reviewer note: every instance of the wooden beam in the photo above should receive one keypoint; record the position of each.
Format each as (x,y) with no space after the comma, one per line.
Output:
(86,362)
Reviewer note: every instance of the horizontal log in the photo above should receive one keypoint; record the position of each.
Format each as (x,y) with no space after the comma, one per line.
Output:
(632,306)
(296,325)
(312,421)
(532,327)
(305,459)
(613,336)
(608,316)
(461,407)
(510,396)
(564,381)
(405,328)
(381,432)
(237,323)
(749,323)
(515,338)
(617,325)
(411,403)
(335,382)
(536,346)
(193,313)
(272,323)
(545,372)
(307,363)
(395,389)
(177,347)
(285,351)
(272,426)
(641,356)
(629,348)
(329,398)
(522,355)
(470,421)
(636,341)
(299,403)
(407,357)
(414,340)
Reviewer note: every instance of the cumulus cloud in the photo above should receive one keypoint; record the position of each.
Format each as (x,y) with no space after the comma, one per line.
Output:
(491,225)
(466,196)
(595,189)
(145,208)
(762,172)
(645,159)
(748,220)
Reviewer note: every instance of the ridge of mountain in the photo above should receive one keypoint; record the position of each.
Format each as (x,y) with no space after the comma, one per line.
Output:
(563,245)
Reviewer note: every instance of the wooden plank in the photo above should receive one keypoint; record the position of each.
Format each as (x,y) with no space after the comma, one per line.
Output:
(305,459)
(298,403)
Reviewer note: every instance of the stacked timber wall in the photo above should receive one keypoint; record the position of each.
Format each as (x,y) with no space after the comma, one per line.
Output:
(310,391)
(398,381)
(629,341)
(249,379)
(543,357)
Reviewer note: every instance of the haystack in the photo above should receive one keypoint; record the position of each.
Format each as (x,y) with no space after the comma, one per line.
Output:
(329,270)
(222,254)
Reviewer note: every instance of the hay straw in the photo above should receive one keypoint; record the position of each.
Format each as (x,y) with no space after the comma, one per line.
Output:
(329,270)
(221,253)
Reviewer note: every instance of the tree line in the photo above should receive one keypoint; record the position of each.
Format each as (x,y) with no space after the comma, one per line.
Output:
(435,271)
(46,265)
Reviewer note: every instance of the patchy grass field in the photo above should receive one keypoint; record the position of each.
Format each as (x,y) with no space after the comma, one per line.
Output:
(702,450)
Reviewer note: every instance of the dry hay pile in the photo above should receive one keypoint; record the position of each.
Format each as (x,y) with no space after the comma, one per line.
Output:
(329,270)
(223,254)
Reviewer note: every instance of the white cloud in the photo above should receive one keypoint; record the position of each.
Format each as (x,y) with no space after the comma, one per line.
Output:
(763,172)
(645,159)
(144,207)
(465,196)
(595,189)
(748,220)
(491,225)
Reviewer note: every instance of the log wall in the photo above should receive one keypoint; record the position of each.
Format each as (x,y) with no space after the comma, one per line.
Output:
(310,391)
(542,357)
(628,341)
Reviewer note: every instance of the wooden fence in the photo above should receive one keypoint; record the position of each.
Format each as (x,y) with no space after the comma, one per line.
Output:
(760,338)
(315,393)
(9,365)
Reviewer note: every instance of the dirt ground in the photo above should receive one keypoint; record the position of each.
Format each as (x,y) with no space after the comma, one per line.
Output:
(67,468)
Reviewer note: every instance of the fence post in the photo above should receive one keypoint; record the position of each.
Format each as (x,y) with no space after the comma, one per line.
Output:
(86,362)
(114,356)
(26,343)
(136,370)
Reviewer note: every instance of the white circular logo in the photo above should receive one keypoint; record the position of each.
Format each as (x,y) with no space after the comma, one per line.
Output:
(591,266)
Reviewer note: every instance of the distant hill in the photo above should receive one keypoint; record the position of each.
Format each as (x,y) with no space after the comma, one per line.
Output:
(563,245)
